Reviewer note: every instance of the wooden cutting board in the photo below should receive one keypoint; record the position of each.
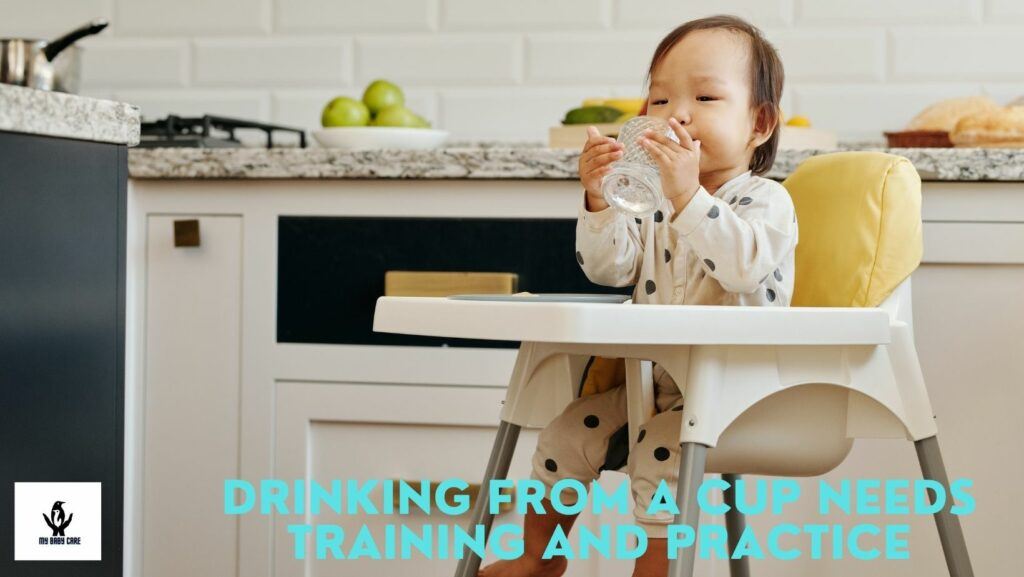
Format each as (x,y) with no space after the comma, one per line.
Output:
(401,283)
(575,135)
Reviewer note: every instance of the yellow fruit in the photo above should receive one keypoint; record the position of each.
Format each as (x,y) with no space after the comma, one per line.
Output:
(798,120)
(593,102)
(626,105)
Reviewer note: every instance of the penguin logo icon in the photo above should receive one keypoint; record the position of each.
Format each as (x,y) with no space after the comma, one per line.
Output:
(56,519)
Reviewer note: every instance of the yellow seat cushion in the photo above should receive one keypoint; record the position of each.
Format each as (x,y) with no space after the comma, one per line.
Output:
(859,215)
(603,374)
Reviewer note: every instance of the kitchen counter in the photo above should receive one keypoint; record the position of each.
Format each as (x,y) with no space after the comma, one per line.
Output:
(45,113)
(504,161)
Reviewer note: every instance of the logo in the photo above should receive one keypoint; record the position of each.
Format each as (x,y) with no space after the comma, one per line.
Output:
(60,536)
(58,524)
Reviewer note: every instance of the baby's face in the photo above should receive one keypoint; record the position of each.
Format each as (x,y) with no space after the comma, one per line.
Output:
(704,83)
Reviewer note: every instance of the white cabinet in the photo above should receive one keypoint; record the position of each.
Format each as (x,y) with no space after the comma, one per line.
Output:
(212,395)
(346,431)
(191,397)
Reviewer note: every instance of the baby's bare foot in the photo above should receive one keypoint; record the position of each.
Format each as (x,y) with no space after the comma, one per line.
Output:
(525,567)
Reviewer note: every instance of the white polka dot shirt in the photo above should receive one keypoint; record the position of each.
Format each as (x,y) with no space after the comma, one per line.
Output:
(735,247)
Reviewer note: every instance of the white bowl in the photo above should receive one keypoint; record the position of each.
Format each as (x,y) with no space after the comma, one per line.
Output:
(367,137)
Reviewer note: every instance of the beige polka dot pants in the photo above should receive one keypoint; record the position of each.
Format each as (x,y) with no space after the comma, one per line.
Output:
(575,445)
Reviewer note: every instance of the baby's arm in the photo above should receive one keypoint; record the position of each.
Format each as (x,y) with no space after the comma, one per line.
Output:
(609,247)
(743,238)
(608,244)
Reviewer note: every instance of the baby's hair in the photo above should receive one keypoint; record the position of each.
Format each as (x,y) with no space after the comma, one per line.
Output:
(765,71)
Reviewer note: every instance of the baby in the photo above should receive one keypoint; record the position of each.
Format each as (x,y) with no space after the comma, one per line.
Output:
(724,236)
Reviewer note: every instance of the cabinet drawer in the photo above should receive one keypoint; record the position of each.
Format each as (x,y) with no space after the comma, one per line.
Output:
(331,269)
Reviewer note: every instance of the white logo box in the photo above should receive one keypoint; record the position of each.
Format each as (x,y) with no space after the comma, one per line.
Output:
(34,500)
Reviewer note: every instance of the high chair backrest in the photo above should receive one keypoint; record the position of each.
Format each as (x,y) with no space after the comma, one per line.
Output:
(859,215)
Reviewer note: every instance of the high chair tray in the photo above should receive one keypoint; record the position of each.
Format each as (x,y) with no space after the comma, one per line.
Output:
(546,297)
(526,319)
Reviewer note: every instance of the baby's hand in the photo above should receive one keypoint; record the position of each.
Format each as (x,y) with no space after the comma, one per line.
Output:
(598,154)
(678,162)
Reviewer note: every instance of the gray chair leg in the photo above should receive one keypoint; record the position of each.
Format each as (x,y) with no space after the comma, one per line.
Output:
(691,473)
(950,534)
(497,468)
(735,524)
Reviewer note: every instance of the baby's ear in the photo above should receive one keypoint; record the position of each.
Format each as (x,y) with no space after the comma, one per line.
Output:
(766,119)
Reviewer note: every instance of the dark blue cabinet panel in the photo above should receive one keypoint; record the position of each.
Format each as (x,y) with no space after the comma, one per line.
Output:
(62,279)
(331,269)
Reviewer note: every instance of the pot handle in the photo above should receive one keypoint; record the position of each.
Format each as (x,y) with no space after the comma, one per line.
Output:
(54,48)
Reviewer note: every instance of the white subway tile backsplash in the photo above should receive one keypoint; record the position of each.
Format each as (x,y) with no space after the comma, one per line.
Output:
(865,111)
(989,53)
(1004,92)
(1004,11)
(525,15)
(847,55)
(193,17)
(302,108)
(635,90)
(425,60)
(509,70)
(154,104)
(667,14)
(511,113)
(355,15)
(293,62)
(582,58)
(888,12)
(31,20)
(134,63)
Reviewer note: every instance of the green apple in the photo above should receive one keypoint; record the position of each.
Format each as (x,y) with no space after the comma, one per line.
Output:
(381,94)
(397,116)
(345,111)
(422,122)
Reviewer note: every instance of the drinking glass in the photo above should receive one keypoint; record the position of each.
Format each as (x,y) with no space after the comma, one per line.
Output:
(634,184)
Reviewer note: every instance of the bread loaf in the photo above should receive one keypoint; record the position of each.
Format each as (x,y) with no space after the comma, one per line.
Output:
(944,115)
(998,127)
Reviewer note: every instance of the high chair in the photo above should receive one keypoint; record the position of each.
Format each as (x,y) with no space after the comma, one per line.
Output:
(767,390)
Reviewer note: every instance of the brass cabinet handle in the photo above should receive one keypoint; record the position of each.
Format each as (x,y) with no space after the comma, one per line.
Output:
(186,232)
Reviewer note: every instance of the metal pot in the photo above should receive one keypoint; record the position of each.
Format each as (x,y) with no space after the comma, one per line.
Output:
(54,65)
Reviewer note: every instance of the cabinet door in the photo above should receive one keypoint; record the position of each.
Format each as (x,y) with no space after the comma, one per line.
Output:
(340,431)
(62,278)
(191,396)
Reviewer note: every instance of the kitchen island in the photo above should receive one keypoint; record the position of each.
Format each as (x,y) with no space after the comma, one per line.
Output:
(260,268)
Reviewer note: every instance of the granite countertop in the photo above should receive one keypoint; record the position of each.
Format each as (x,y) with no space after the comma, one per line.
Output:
(46,113)
(524,161)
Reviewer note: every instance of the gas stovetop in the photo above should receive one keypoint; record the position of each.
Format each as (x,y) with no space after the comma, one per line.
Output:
(206,132)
